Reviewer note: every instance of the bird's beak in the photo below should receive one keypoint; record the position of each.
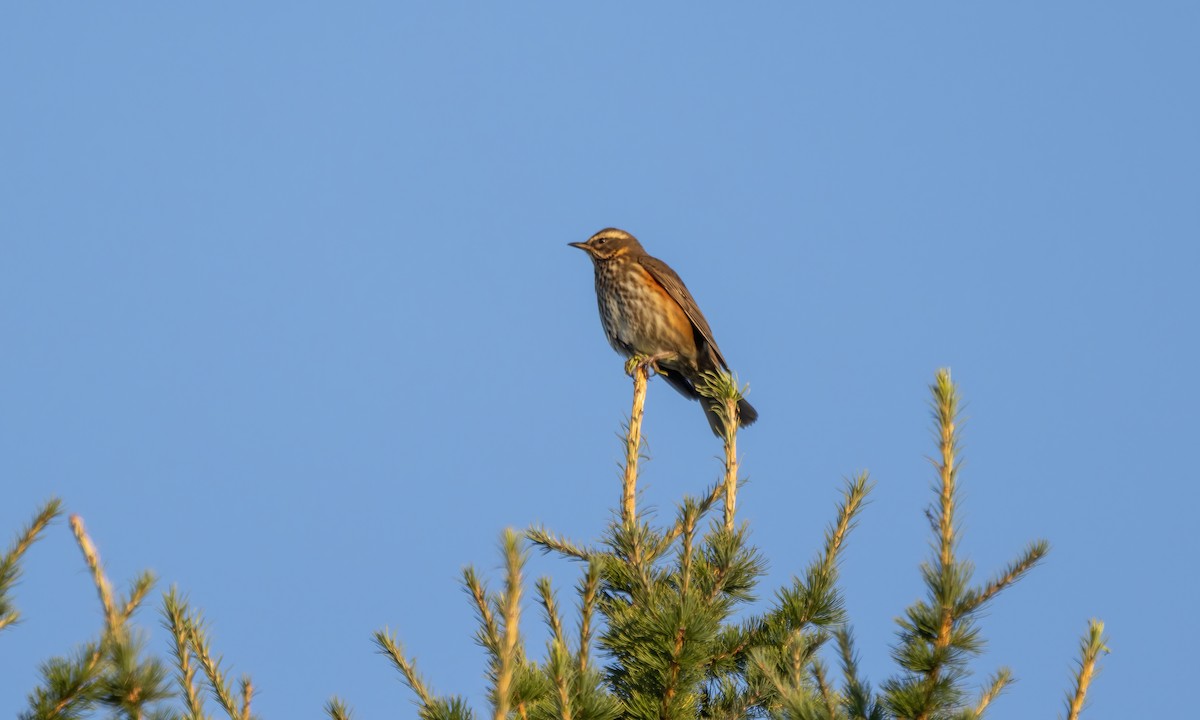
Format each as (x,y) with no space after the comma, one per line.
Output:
(582,246)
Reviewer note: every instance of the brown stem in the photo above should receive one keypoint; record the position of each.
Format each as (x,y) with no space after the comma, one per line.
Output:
(633,445)
(731,461)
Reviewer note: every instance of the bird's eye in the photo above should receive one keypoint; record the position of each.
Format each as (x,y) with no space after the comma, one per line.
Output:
(601,241)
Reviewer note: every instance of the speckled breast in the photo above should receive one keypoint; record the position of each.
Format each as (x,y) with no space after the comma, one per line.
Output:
(638,315)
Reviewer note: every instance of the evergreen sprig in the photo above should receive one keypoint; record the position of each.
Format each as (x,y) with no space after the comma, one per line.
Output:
(430,706)
(337,709)
(1091,647)
(938,636)
(10,562)
(113,672)
(178,621)
(197,669)
(722,393)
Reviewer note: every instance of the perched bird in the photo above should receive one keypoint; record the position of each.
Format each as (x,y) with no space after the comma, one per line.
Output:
(646,310)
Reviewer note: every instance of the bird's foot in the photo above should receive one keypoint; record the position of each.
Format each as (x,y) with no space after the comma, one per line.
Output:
(649,362)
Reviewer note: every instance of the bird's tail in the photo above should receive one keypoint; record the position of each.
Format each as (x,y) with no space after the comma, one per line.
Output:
(746,416)
(687,387)
(746,413)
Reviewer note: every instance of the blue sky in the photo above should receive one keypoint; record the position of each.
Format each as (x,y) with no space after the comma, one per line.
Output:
(289,317)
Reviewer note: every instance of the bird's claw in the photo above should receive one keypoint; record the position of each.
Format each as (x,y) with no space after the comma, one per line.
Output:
(650,362)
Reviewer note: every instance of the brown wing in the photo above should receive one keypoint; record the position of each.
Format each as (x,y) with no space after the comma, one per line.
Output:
(679,293)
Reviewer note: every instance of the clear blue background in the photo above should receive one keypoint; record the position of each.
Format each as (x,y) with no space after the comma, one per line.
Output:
(287,312)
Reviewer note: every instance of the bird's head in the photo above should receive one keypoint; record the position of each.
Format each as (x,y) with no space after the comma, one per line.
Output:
(610,243)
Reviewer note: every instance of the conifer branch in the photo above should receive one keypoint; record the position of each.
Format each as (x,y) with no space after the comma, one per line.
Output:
(514,559)
(731,468)
(1090,648)
(714,494)
(791,693)
(489,631)
(390,647)
(721,391)
(1033,555)
(853,500)
(559,655)
(688,515)
(550,608)
(945,412)
(588,589)
(639,369)
(856,692)
(137,592)
(764,660)
(671,686)
(938,635)
(551,542)
(637,548)
(112,621)
(198,642)
(815,598)
(828,696)
(730,416)
(247,695)
(129,684)
(109,672)
(10,568)
(70,685)
(797,650)
(337,709)
(176,620)
(561,685)
(999,682)
(754,634)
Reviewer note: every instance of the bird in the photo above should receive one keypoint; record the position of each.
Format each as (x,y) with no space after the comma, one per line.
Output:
(647,311)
